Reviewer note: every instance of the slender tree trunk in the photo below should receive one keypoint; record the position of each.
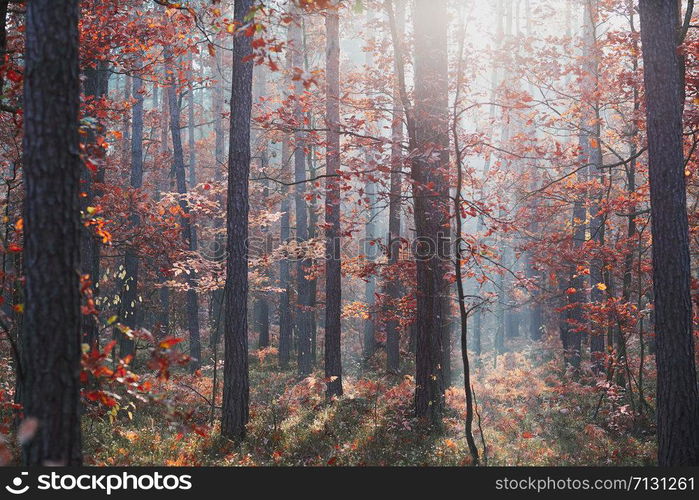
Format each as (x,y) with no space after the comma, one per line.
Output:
(677,403)
(592,149)
(95,89)
(236,385)
(262,303)
(129,294)
(303,313)
(219,253)
(458,258)
(192,309)
(369,346)
(191,139)
(261,307)
(164,186)
(285,318)
(333,263)
(51,340)
(393,285)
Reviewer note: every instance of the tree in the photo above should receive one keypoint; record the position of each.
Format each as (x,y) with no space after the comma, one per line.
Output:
(333,262)
(393,286)
(677,400)
(369,345)
(187,233)
(303,322)
(95,88)
(236,386)
(285,316)
(51,339)
(131,312)
(429,172)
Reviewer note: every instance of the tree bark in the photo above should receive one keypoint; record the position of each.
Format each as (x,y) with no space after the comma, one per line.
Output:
(429,172)
(51,340)
(236,385)
(333,262)
(677,401)
(393,285)
(95,88)
(285,318)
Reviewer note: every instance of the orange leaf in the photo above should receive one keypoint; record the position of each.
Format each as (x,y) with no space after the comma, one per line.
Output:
(169,342)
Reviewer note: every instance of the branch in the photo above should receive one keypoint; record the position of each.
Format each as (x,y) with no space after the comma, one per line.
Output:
(687,22)
(266,178)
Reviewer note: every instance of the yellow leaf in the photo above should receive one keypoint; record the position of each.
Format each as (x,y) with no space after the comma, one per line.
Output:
(112,320)
(601,286)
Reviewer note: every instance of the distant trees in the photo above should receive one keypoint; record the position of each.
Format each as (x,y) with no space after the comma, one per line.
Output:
(51,339)
(677,400)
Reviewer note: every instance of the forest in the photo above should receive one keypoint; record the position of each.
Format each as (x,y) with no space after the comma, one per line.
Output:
(349,232)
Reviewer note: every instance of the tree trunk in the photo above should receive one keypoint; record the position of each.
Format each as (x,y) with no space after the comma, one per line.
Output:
(303,286)
(236,385)
(129,295)
(219,248)
(95,87)
(369,344)
(677,404)
(333,263)
(393,285)
(51,340)
(591,146)
(285,318)
(192,308)
(429,172)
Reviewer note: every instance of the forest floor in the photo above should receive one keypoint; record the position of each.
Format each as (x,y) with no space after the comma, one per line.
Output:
(530,413)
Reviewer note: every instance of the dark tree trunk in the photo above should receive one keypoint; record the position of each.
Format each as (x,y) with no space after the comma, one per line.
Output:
(393,285)
(95,88)
(219,245)
(164,186)
(129,296)
(677,404)
(262,303)
(192,309)
(51,340)
(431,201)
(285,318)
(313,233)
(191,140)
(333,263)
(236,386)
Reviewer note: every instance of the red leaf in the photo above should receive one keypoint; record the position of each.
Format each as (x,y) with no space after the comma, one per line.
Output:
(169,342)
